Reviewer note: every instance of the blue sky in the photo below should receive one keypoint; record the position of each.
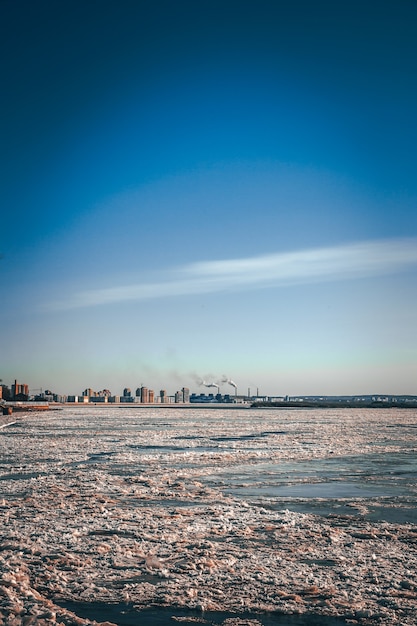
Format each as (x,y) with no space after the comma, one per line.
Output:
(199,190)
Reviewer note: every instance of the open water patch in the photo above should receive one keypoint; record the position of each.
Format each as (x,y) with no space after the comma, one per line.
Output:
(127,615)
(393,511)
(325,490)
(250,436)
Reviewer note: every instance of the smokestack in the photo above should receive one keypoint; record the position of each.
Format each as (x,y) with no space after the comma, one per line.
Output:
(230,382)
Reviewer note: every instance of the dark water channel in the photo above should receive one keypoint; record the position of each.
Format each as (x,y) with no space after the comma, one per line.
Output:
(125,615)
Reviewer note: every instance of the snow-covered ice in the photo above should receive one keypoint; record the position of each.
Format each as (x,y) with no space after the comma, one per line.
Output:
(251,510)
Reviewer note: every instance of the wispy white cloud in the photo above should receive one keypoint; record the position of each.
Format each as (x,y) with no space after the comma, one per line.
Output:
(355,260)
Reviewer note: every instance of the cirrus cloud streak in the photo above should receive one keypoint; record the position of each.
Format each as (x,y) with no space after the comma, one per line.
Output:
(355,260)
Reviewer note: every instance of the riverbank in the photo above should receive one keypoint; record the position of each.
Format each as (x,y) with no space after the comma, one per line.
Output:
(5,420)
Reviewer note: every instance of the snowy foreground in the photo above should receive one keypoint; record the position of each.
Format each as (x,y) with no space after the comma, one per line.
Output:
(292,511)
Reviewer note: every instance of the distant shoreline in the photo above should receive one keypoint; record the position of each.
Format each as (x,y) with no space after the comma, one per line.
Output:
(247,405)
(296,405)
(376,404)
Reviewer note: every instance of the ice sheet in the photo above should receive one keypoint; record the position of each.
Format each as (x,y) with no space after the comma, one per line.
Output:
(226,511)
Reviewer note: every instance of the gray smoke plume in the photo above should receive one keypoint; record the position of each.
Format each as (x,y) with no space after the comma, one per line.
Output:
(210,384)
(196,378)
(226,379)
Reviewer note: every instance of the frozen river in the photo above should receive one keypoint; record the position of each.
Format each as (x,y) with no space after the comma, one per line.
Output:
(244,516)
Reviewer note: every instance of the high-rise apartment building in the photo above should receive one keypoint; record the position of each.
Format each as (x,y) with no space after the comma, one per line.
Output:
(19,389)
(89,393)
(151,396)
(185,394)
(144,395)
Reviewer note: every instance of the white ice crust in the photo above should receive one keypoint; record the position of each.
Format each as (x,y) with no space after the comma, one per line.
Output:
(148,506)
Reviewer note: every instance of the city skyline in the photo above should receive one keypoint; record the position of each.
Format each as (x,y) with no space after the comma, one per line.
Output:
(140,391)
(21,392)
(208,191)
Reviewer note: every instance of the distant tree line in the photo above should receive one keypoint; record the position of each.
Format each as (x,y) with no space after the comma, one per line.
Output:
(328,404)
